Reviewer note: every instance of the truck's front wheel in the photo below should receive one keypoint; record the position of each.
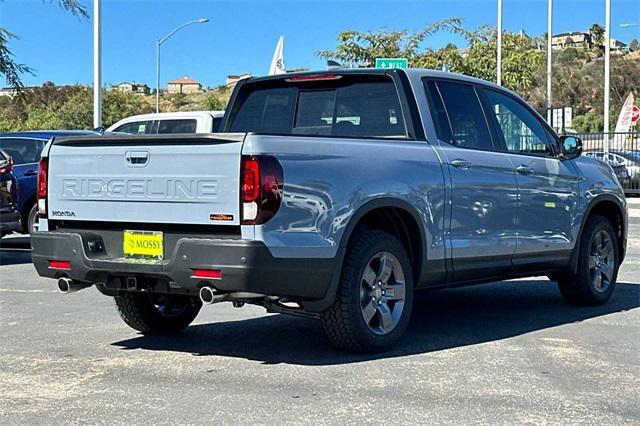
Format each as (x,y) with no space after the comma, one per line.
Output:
(595,278)
(157,313)
(373,305)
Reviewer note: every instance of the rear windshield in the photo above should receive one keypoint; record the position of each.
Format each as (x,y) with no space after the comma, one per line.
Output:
(351,106)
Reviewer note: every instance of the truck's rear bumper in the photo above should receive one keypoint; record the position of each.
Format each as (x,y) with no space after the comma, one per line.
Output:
(246,266)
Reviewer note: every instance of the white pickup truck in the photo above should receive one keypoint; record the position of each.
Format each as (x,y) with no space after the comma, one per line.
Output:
(169,122)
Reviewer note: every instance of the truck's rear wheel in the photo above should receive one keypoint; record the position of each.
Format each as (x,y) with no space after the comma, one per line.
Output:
(373,304)
(157,313)
(595,278)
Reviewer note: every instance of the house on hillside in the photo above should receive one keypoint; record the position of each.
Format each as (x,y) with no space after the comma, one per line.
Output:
(184,85)
(618,47)
(574,39)
(132,87)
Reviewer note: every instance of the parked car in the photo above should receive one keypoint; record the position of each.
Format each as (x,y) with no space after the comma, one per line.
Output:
(9,215)
(25,148)
(617,163)
(331,194)
(170,122)
(632,163)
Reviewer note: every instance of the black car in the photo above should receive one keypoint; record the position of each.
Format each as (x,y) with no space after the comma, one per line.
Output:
(9,215)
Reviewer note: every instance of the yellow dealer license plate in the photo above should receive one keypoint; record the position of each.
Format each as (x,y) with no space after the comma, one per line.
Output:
(143,244)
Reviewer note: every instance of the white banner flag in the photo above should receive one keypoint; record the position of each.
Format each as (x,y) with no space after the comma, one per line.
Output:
(277,63)
(626,114)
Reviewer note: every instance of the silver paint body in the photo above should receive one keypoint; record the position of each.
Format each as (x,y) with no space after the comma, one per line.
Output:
(486,211)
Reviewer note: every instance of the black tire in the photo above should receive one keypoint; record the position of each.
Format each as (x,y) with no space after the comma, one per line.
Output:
(579,288)
(344,321)
(32,220)
(156,313)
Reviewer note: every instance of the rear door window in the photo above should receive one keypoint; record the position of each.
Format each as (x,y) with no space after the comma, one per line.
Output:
(467,122)
(135,127)
(352,107)
(22,150)
(178,126)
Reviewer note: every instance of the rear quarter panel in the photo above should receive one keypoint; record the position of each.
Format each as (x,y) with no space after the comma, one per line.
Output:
(329,181)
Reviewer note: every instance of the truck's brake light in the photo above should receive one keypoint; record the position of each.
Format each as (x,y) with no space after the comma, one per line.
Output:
(43,175)
(250,179)
(313,77)
(260,188)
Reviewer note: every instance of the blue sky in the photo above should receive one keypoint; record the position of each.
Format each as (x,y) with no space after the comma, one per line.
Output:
(241,35)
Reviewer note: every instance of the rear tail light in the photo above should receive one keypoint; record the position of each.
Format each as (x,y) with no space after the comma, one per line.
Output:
(60,264)
(214,274)
(7,166)
(43,176)
(260,188)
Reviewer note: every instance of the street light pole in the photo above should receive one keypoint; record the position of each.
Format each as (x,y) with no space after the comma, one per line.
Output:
(159,42)
(97,80)
(499,41)
(549,58)
(607,58)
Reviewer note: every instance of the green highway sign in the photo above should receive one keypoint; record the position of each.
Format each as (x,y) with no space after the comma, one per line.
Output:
(392,63)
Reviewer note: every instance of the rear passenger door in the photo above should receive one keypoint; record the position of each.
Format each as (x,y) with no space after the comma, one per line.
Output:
(482,229)
(547,187)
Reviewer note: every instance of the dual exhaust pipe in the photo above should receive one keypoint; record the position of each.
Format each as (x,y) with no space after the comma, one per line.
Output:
(208,295)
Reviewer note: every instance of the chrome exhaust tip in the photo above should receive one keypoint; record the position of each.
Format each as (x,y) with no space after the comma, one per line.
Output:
(67,285)
(207,295)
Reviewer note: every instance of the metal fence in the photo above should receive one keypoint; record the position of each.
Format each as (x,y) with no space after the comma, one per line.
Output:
(621,151)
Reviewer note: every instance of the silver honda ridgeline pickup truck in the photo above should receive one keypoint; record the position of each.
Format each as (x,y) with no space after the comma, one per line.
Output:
(335,195)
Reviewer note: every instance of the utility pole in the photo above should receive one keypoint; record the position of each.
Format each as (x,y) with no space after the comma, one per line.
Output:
(97,80)
(549,59)
(499,66)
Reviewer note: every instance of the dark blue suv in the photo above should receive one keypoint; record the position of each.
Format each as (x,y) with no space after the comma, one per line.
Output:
(25,148)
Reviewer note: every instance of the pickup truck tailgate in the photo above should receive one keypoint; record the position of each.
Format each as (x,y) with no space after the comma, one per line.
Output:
(176,179)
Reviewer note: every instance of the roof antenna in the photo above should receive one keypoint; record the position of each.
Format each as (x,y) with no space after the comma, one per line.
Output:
(333,65)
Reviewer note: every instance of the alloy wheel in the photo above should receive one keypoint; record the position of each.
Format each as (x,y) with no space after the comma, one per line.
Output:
(601,261)
(382,293)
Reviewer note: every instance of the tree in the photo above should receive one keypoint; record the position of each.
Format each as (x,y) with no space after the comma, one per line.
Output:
(597,36)
(214,103)
(12,70)
(634,45)
(360,49)
(521,56)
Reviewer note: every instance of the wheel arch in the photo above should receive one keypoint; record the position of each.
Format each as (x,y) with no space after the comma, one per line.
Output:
(611,208)
(409,229)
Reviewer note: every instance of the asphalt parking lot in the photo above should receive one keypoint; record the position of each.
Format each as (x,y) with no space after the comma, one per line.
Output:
(510,352)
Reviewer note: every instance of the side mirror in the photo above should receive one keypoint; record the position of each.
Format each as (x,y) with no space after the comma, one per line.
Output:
(570,147)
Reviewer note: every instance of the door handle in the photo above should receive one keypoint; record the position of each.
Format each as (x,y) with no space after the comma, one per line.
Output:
(461,164)
(31,173)
(524,169)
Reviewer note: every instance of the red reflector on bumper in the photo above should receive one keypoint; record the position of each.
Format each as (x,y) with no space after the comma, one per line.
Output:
(207,273)
(59,264)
